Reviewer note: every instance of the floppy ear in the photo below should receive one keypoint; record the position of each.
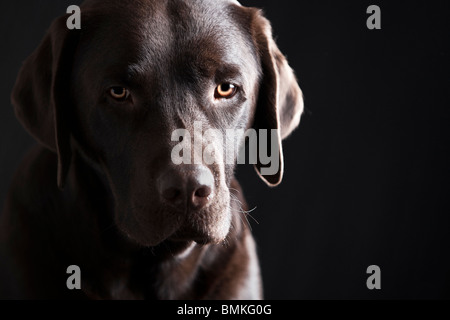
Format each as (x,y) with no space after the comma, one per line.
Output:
(280,100)
(41,95)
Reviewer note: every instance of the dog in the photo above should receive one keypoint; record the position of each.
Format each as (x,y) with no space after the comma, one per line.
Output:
(100,191)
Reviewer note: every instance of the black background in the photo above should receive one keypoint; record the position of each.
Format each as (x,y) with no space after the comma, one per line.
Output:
(367,172)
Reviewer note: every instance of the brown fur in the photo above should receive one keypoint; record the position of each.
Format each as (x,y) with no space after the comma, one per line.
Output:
(107,215)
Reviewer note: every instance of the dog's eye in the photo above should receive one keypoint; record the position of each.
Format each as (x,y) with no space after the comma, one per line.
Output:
(225,91)
(119,93)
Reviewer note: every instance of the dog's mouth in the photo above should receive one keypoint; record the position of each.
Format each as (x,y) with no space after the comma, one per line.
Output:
(186,237)
(208,226)
(202,237)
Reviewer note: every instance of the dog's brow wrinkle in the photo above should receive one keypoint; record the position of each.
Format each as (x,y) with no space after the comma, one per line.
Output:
(135,70)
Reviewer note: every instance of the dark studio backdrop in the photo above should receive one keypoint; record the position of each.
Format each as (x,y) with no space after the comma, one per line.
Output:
(367,172)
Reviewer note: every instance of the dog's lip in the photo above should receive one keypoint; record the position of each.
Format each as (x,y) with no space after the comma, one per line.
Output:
(183,239)
(199,237)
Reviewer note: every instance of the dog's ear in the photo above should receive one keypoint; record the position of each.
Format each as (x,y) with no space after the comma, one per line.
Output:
(41,95)
(280,100)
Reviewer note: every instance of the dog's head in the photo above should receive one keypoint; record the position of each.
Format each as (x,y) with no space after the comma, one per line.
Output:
(121,89)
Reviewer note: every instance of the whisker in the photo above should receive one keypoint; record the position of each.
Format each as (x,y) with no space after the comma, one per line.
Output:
(253,218)
(235,190)
(242,212)
(246,211)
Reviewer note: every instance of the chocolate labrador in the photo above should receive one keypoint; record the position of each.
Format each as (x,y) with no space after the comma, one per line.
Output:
(101,190)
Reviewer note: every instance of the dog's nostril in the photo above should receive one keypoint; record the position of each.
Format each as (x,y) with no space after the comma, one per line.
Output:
(202,185)
(171,193)
(171,188)
(201,196)
(203,192)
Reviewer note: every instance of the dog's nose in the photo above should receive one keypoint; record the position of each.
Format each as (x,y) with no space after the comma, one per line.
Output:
(191,186)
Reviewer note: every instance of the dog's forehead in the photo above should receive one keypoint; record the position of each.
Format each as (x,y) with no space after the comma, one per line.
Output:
(150,34)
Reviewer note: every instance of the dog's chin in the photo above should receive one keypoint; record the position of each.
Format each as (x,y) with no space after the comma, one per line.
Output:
(208,226)
(204,227)
(144,239)
(145,230)
(202,236)
(180,237)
